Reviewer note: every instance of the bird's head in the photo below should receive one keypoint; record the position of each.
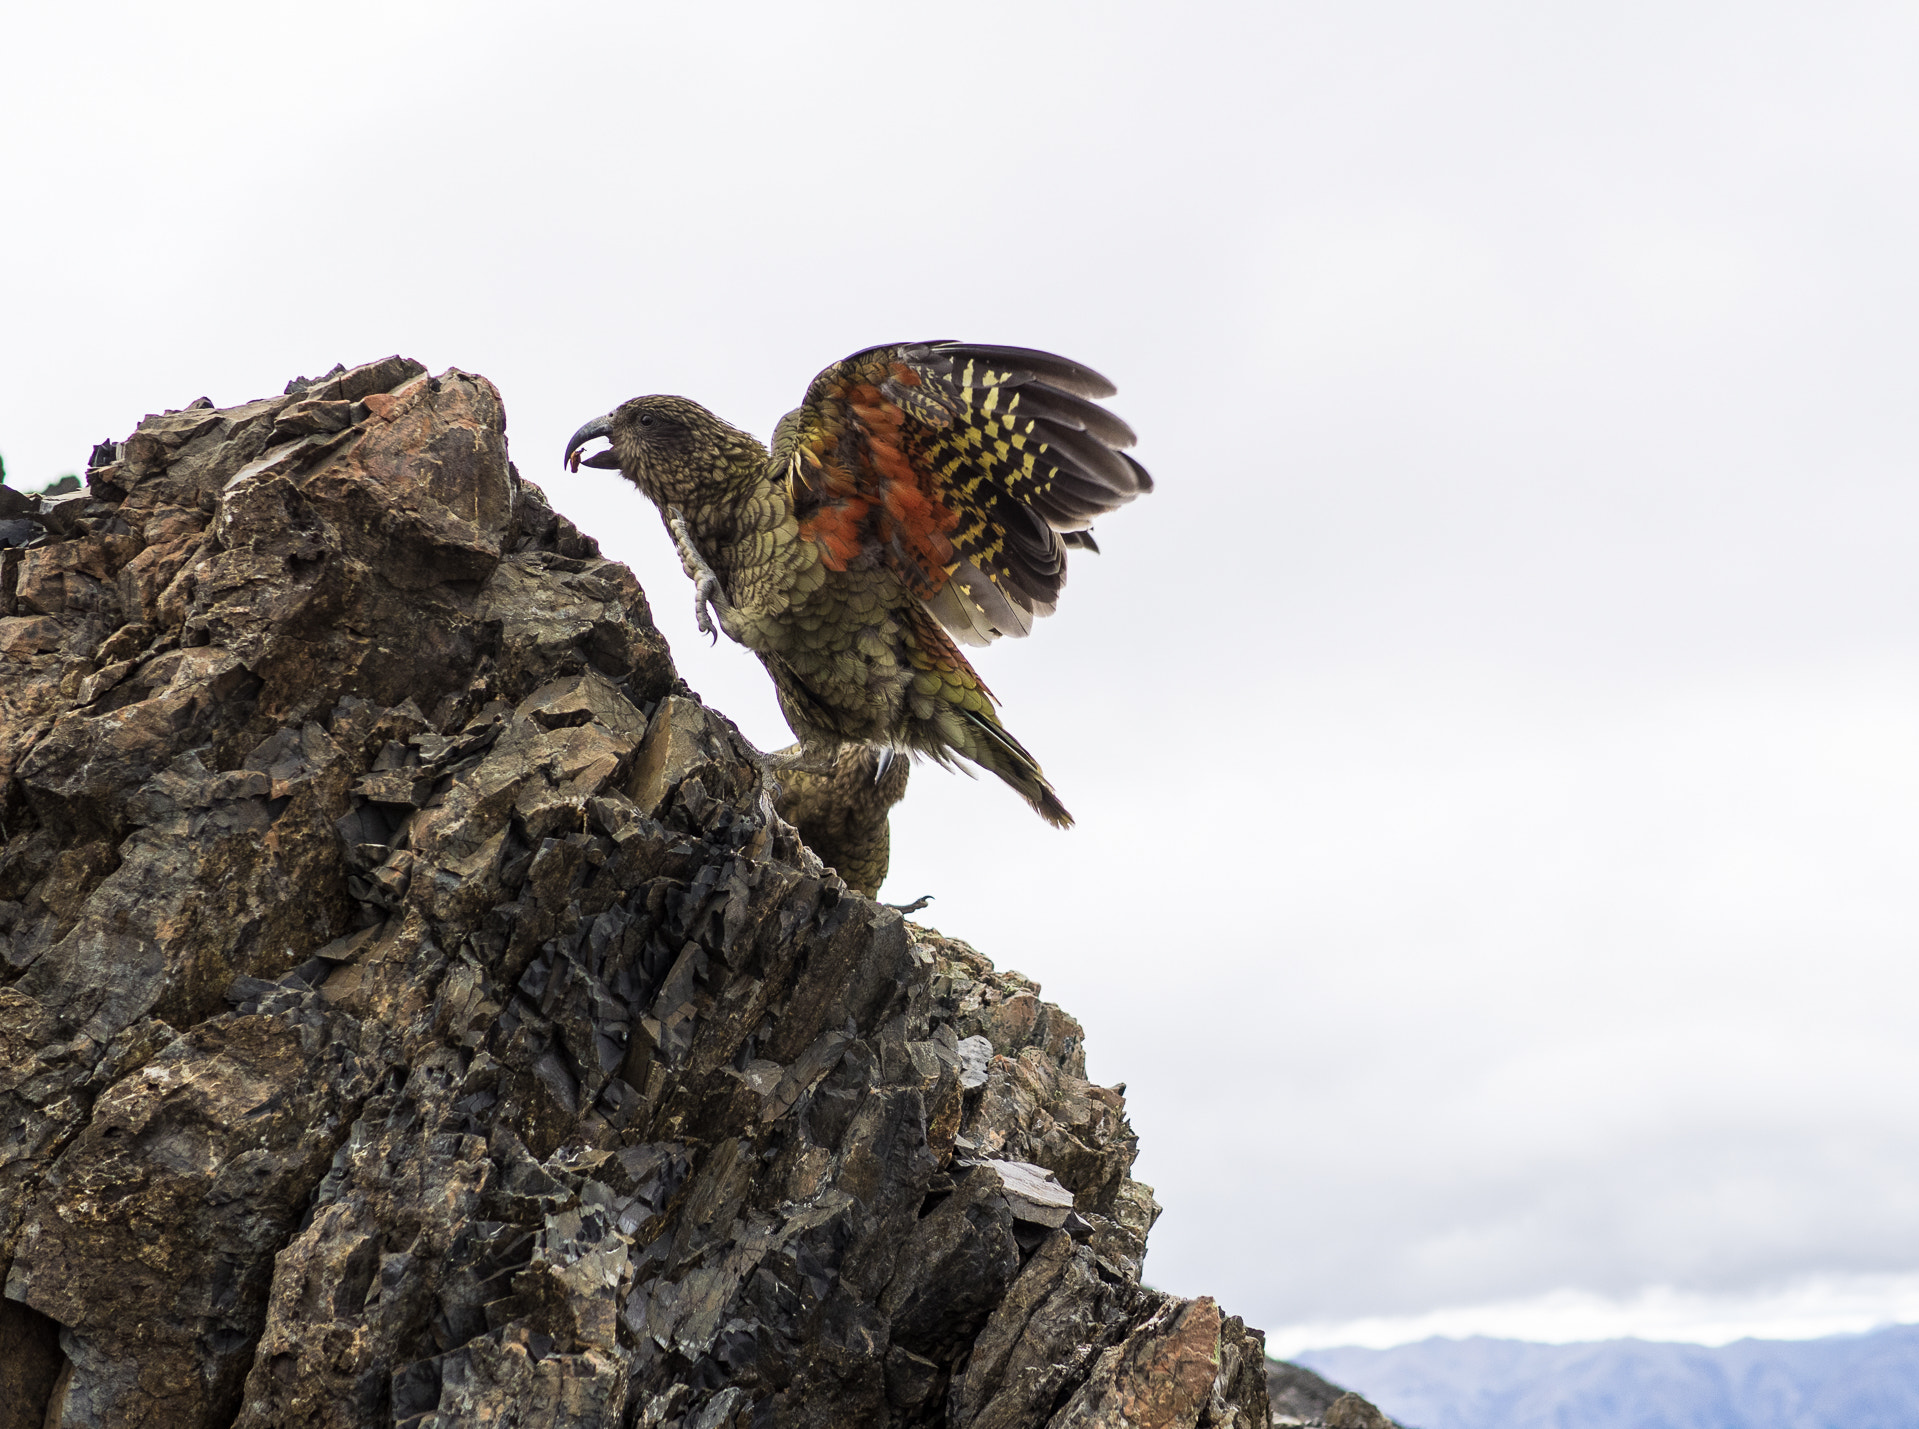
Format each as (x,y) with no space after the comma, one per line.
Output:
(669,447)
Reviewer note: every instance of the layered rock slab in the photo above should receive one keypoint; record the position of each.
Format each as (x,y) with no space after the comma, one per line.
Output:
(414,1011)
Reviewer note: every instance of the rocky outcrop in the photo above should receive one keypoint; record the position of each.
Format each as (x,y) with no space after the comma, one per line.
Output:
(414,1011)
(1300,1398)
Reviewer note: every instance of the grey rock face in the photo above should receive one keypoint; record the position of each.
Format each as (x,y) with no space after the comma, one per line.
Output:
(1301,1398)
(413,1011)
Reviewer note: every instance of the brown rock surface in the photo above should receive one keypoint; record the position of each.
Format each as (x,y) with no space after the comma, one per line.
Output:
(413,1012)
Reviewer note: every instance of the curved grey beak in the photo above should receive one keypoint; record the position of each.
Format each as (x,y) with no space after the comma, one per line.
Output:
(606,460)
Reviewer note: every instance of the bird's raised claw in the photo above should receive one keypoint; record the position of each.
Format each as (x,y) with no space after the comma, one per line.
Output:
(706,585)
(703,592)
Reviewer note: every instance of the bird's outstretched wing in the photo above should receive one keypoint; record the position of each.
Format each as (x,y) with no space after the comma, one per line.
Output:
(969,469)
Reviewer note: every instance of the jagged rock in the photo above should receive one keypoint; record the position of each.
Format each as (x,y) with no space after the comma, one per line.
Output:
(413,1011)
(1349,1411)
(1301,1398)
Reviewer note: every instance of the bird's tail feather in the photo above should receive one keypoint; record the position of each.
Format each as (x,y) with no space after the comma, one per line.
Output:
(1003,755)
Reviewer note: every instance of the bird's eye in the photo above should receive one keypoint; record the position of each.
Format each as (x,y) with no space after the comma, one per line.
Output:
(646,421)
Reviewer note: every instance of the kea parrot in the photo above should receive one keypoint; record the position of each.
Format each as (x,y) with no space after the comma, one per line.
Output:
(921,494)
(842,815)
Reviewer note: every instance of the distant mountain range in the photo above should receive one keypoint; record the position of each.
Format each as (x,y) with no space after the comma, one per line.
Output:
(1868,1381)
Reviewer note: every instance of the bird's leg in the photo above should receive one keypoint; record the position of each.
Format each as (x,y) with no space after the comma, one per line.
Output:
(706,585)
(806,757)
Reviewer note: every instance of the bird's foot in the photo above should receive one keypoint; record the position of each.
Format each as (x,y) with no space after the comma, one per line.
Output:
(913,907)
(706,586)
(703,594)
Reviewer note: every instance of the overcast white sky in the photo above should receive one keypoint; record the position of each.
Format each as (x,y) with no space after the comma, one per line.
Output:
(1493,744)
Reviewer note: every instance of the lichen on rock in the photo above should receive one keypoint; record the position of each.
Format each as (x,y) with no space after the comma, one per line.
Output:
(413,1011)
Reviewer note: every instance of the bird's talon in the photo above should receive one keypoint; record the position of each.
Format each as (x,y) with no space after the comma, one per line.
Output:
(704,594)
